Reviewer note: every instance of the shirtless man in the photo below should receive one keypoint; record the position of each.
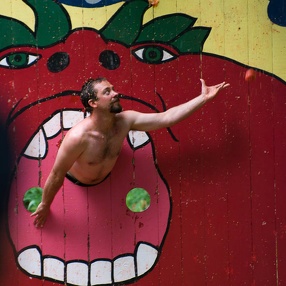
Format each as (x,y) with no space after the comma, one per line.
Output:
(90,149)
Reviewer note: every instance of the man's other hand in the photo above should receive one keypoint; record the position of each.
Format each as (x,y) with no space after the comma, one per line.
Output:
(41,215)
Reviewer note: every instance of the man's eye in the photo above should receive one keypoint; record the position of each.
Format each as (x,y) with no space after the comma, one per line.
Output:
(19,60)
(153,55)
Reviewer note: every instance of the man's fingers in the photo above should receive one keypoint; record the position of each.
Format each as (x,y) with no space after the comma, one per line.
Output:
(38,222)
(34,213)
(202,81)
(222,85)
(218,86)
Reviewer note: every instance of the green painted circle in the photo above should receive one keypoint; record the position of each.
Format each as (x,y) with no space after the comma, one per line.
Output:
(138,200)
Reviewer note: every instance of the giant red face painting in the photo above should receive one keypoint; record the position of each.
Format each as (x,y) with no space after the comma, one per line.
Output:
(216,174)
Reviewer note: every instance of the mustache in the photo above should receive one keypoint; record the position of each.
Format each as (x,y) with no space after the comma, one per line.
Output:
(117,98)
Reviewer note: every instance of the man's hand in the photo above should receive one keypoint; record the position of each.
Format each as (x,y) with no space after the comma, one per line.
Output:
(209,92)
(41,215)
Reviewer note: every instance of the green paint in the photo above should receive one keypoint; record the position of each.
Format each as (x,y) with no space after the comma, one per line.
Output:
(125,25)
(165,29)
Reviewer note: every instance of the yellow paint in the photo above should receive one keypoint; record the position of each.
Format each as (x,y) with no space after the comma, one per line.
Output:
(91,17)
(241,30)
(19,10)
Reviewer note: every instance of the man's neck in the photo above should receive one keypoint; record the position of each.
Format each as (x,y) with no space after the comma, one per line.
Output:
(103,122)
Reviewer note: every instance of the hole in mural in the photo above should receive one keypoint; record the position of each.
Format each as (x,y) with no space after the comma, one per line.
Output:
(109,59)
(138,200)
(58,62)
(32,198)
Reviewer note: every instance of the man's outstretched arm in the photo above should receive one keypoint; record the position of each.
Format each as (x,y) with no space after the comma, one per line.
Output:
(153,121)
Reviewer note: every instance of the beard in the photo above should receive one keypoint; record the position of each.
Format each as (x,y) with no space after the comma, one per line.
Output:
(115,107)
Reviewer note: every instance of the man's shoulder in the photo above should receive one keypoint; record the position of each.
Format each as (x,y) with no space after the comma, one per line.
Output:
(77,132)
(128,113)
(127,116)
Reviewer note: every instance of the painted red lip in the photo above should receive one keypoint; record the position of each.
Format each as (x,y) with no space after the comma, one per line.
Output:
(21,107)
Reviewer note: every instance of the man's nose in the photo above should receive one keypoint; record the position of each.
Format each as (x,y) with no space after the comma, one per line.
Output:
(115,94)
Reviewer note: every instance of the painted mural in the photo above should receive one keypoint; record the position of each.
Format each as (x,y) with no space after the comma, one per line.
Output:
(216,181)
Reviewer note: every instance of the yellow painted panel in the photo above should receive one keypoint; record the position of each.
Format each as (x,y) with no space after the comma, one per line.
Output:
(163,8)
(259,36)
(212,15)
(91,17)
(236,29)
(279,51)
(192,8)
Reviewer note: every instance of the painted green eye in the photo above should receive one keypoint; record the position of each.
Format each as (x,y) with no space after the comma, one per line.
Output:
(153,54)
(19,60)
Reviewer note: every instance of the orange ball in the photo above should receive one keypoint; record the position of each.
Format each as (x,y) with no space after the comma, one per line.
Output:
(250,75)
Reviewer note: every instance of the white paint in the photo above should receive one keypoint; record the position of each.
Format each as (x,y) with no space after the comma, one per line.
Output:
(53,126)
(37,147)
(71,118)
(77,273)
(54,268)
(145,258)
(124,268)
(30,260)
(100,272)
(138,138)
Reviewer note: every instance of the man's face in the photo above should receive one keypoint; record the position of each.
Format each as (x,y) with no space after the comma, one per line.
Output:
(108,97)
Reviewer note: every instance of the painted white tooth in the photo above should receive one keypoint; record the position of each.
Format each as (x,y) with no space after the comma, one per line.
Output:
(54,268)
(145,258)
(124,268)
(30,261)
(38,146)
(77,273)
(138,138)
(71,118)
(53,126)
(100,272)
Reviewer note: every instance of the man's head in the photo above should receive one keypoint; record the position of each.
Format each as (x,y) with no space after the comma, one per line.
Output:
(95,89)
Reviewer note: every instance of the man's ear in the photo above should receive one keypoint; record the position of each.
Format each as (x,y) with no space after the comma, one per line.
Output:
(92,103)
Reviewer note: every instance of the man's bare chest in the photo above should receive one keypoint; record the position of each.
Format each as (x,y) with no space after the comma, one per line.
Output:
(102,148)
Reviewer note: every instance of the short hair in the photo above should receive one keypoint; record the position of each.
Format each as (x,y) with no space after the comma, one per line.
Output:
(89,92)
